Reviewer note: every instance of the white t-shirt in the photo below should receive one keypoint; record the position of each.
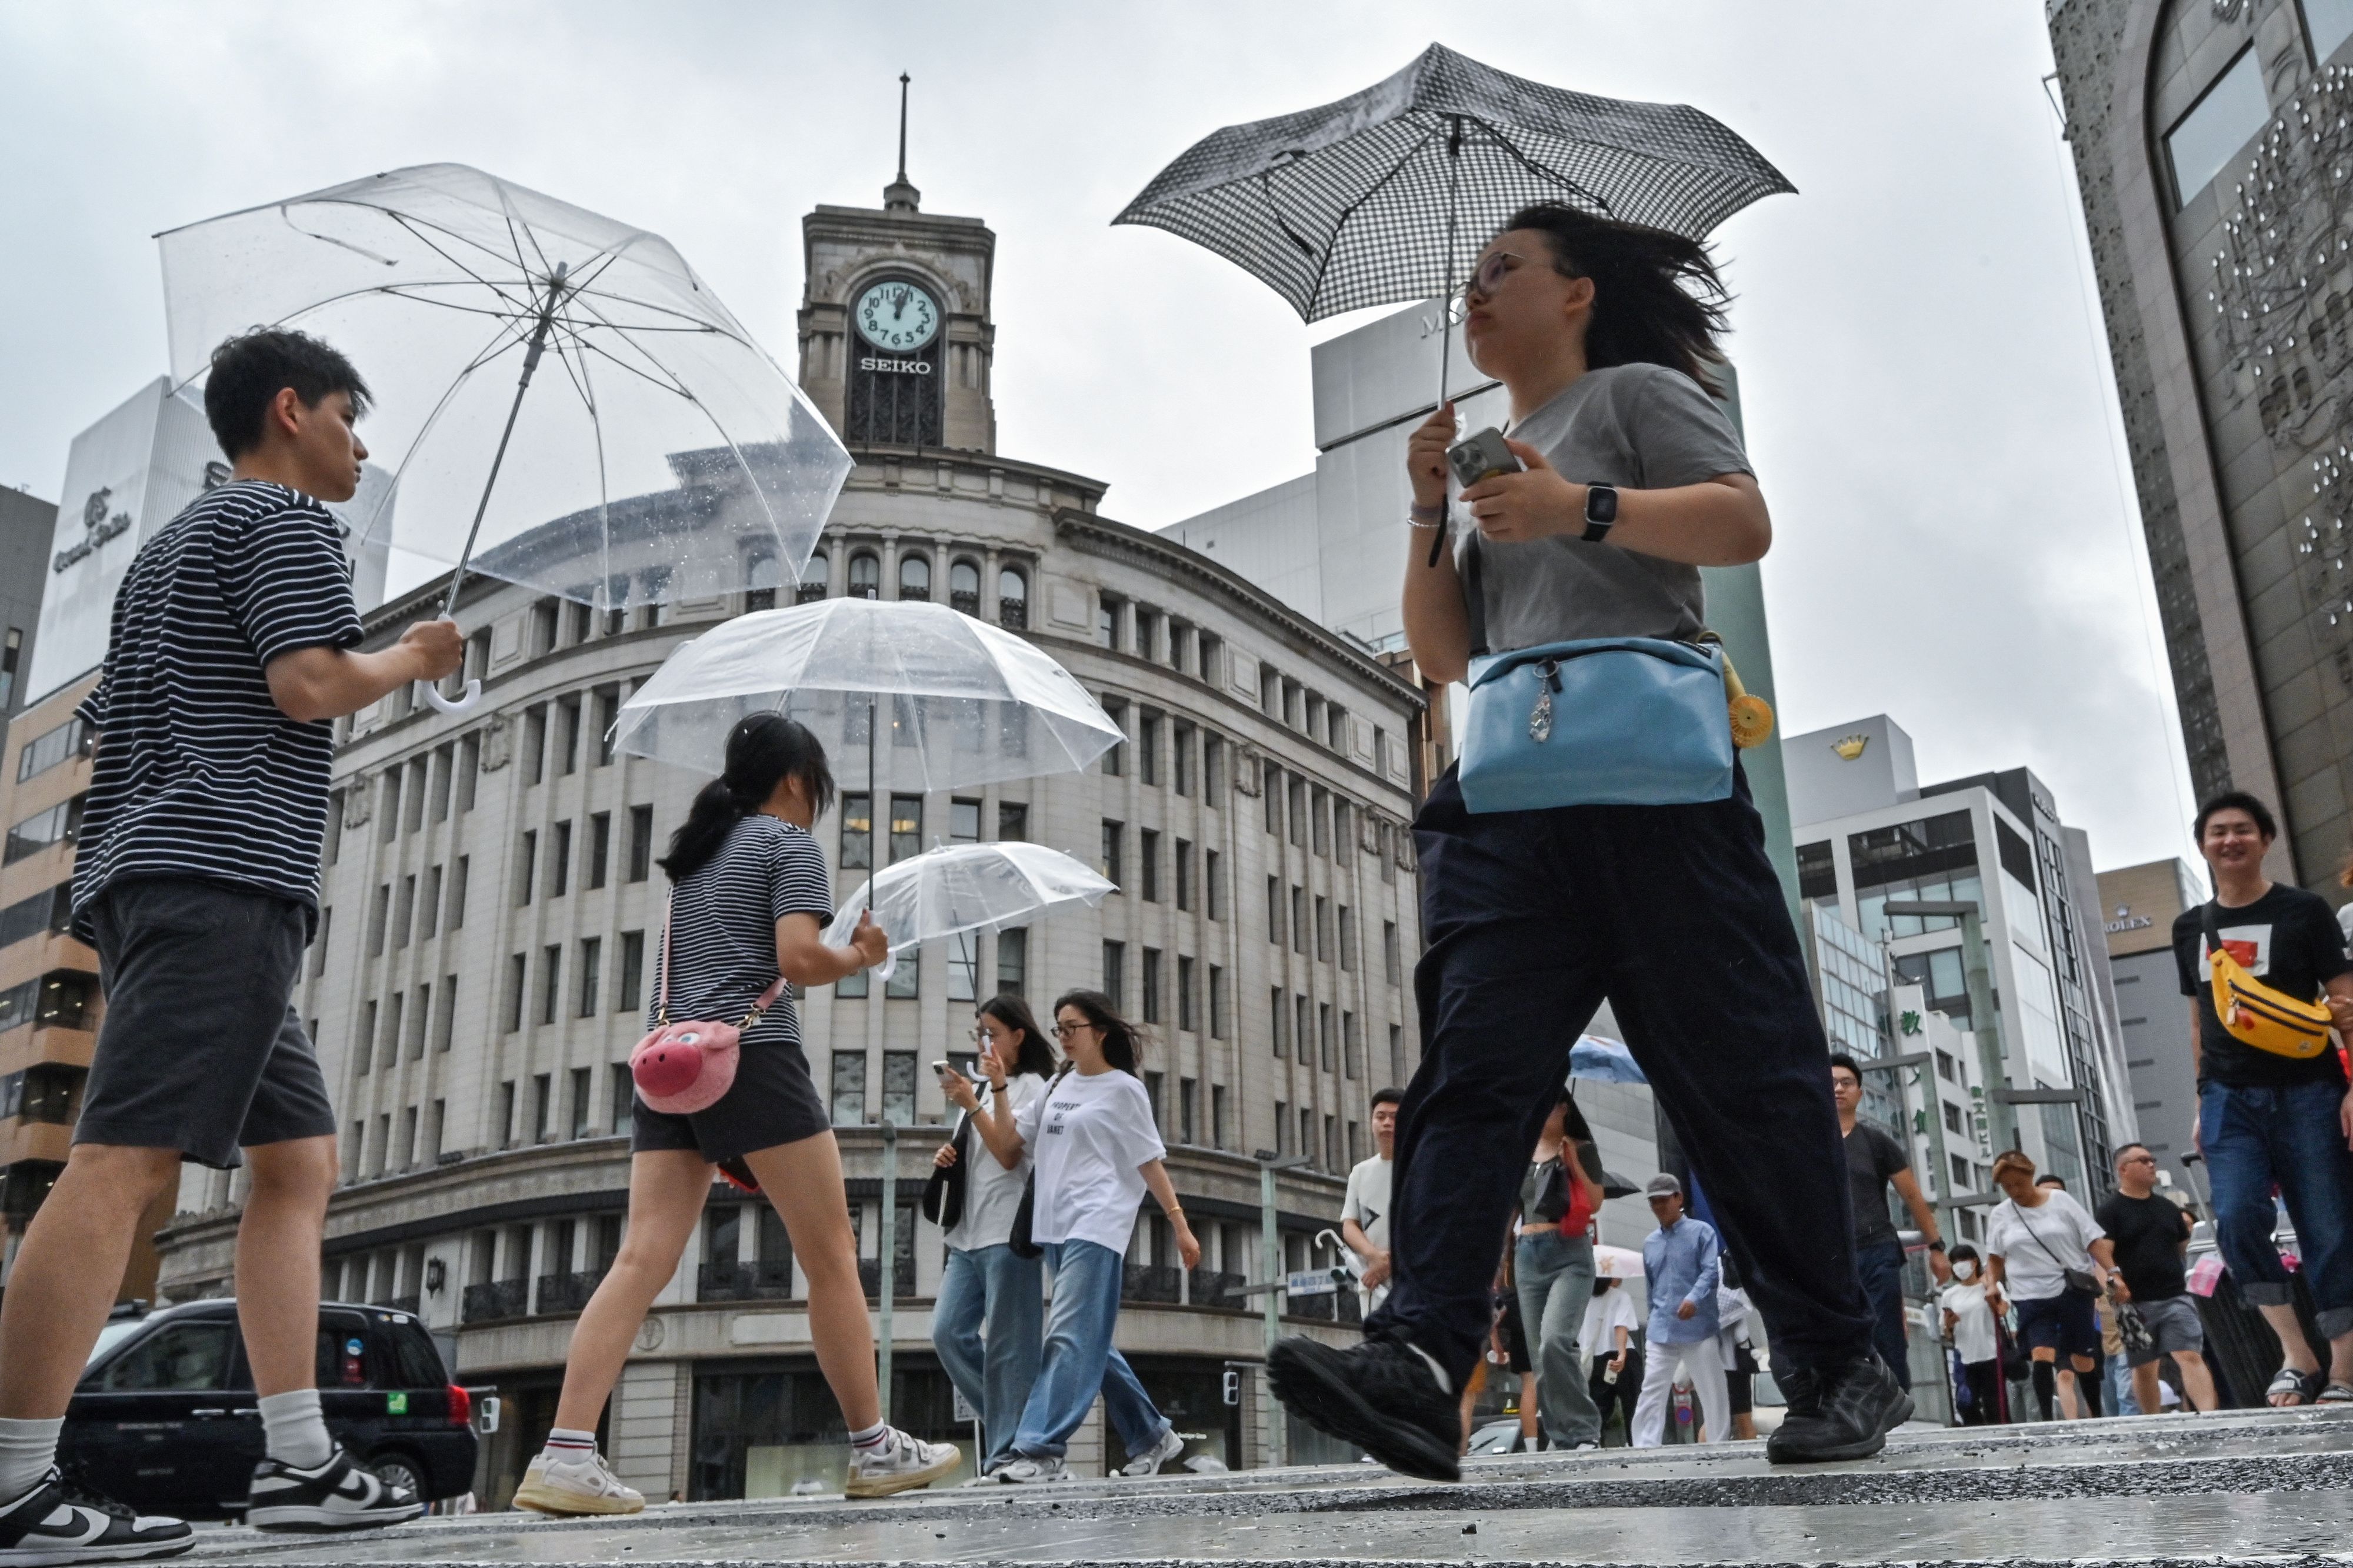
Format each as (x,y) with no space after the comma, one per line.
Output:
(1606,1313)
(2034,1243)
(1089,1136)
(1972,1321)
(1367,1204)
(992,1195)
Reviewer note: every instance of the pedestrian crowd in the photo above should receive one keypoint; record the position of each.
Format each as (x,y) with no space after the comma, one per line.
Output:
(236,637)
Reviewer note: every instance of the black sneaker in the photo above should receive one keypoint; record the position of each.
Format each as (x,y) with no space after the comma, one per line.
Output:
(338,1495)
(1844,1413)
(53,1523)
(1379,1394)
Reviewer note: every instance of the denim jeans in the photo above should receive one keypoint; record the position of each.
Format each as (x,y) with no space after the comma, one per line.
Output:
(989,1283)
(2253,1138)
(1880,1265)
(1673,914)
(1080,1361)
(1554,1274)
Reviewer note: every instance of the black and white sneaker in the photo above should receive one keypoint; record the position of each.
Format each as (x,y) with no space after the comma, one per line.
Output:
(1383,1395)
(339,1495)
(56,1524)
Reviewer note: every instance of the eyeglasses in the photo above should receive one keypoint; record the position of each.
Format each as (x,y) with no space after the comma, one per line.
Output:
(982,1033)
(2138,1159)
(1061,1031)
(1485,279)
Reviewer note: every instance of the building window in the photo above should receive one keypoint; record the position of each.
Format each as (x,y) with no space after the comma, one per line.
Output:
(1114,758)
(623,1094)
(559,865)
(1352,1058)
(1186,1021)
(1152,986)
(633,970)
(1213,896)
(964,587)
(915,577)
(865,576)
(1148,864)
(1347,939)
(2203,141)
(526,872)
(1274,911)
(899,1088)
(964,966)
(812,580)
(1269,789)
(1217,1131)
(1299,920)
(1107,622)
(592,955)
(1397,1053)
(1114,973)
(848,1089)
(1184,874)
(600,848)
(907,977)
(1110,866)
(512,1005)
(1012,822)
(906,827)
(1147,748)
(1217,1002)
(857,834)
(1213,770)
(1392,953)
(1013,961)
(551,959)
(1303,1037)
(1274,1017)
(542,1106)
(641,842)
(1189,1095)
(1181,758)
(1012,600)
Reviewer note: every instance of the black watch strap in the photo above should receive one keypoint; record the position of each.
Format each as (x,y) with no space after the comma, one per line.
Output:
(1600,512)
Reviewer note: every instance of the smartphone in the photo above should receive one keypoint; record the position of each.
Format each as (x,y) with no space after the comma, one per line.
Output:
(944,1067)
(1482,457)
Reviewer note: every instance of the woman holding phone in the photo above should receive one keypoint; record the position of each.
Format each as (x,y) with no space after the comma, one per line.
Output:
(1098,1152)
(749,898)
(985,1285)
(1630,478)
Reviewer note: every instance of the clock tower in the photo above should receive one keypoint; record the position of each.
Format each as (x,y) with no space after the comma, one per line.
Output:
(894,328)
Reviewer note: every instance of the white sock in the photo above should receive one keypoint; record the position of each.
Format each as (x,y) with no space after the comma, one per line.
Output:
(27,1449)
(292,1427)
(570,1445)
(873,1437)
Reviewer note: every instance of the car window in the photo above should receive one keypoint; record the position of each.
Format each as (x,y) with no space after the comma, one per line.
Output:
(342,1356)
(415,1363)
(179,1356)
(110,1336)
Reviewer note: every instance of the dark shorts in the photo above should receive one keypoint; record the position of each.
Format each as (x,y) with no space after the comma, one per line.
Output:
(772,1100)
(2064,1323)
(2173,1326)
(201,1050)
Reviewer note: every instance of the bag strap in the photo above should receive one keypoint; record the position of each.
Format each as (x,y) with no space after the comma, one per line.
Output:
(2213,932)
(2037,1235)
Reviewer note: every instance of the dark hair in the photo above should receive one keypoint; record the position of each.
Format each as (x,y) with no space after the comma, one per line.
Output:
(1656,296)
(1841,1059)
(1574,1127)
(1602,1283)
(1034,1054)
(1122,1041)
(2123,1149)
(2236,800)
(1964,1251)
(2048,1180)
(1391,1096)
(249,371)
(763,750)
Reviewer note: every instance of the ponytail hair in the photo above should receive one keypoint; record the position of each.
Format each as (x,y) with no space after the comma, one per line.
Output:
(1122,1041)
(1656,296)
(763,750)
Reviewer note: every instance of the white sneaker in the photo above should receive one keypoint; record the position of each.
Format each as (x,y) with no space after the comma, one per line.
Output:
(562,1486)
(1161,1453)
(898,1464)
(1026,1472)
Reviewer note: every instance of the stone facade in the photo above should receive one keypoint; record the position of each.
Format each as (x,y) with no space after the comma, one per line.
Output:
(2233,420)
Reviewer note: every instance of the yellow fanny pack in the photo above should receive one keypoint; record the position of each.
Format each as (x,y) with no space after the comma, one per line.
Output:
(2255,1014)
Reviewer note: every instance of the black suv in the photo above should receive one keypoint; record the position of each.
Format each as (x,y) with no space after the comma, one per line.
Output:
(164,1418)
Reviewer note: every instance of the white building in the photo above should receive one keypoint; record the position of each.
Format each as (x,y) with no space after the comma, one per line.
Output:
(482,962)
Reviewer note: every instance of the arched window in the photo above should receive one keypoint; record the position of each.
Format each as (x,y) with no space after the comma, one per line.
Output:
(865,576)
(964,587)
(813,579)
(1013,599)
(914,577)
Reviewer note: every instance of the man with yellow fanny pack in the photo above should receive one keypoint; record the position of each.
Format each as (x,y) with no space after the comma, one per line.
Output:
(2270,993)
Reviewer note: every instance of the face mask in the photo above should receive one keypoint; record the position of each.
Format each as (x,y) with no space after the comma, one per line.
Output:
(1965,1271)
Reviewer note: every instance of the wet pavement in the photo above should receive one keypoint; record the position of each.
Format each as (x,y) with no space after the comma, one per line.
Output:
(2239,1487)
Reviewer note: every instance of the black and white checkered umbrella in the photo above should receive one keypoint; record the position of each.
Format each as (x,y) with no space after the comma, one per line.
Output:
(1384,196)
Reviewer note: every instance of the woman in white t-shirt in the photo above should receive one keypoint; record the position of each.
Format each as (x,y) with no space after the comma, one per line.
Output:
(985,1280)
(1969,1305)
(2036,1240)
(1098,1151)
(1611,1321)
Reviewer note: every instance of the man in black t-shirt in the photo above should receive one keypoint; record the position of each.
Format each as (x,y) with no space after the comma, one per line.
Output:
(2265,1120)
(1874,1162)
(2150,1234)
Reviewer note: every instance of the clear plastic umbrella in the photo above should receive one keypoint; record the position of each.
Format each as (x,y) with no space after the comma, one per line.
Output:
(965,702)
(959,888)
(666,455)
(1604,1060)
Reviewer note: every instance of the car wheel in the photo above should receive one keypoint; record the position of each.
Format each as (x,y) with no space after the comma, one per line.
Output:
(399,1470)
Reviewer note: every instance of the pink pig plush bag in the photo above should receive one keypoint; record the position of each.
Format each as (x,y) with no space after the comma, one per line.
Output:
(681,1068)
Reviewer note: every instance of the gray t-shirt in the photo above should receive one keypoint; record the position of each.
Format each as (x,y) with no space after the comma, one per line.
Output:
(1641,425)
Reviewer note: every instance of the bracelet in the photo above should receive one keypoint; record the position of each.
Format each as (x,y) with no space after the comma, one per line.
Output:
(1426,517)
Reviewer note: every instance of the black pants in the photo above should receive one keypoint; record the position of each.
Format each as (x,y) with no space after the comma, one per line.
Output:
(1985,1406)
(1673,914)
(1620,1396)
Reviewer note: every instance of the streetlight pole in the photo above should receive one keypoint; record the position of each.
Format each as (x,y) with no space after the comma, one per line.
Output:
(1270,1247)
(889,1260)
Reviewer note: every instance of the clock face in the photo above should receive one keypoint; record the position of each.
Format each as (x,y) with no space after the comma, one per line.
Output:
(899,316)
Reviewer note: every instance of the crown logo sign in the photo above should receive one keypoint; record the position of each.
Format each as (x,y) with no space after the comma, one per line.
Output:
(1850,747)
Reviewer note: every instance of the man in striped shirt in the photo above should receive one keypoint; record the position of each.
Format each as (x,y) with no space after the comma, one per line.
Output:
(233,645)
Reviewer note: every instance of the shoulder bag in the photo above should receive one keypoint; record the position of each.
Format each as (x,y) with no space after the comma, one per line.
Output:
(681,1068)
(1597,721)
(2080,1281)
(2255,1014)
(944,1190)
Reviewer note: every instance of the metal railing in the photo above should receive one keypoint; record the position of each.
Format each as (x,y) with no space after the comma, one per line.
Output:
(763,1281)
(1212,1287)
(870,1278)
(498,1299)
(1150,1282)
(567,1292)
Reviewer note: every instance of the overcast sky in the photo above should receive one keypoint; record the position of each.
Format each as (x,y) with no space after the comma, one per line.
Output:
(1927,394)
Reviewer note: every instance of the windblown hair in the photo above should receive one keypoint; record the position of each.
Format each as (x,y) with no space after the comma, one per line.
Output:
(1657,298)
(763,750)
(1122,1041)
(249,371)
(1033,1055)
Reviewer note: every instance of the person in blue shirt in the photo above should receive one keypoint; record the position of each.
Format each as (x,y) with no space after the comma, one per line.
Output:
(1680,1268)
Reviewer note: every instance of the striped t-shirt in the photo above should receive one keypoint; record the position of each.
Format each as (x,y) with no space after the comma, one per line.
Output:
(199,772)
(723,934)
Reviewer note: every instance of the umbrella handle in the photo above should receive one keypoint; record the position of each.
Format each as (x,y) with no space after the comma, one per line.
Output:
(463,704)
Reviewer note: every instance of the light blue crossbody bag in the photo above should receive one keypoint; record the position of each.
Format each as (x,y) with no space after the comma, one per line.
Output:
(1597,721)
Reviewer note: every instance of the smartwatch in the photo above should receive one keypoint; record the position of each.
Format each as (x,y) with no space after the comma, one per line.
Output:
(1600,512)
